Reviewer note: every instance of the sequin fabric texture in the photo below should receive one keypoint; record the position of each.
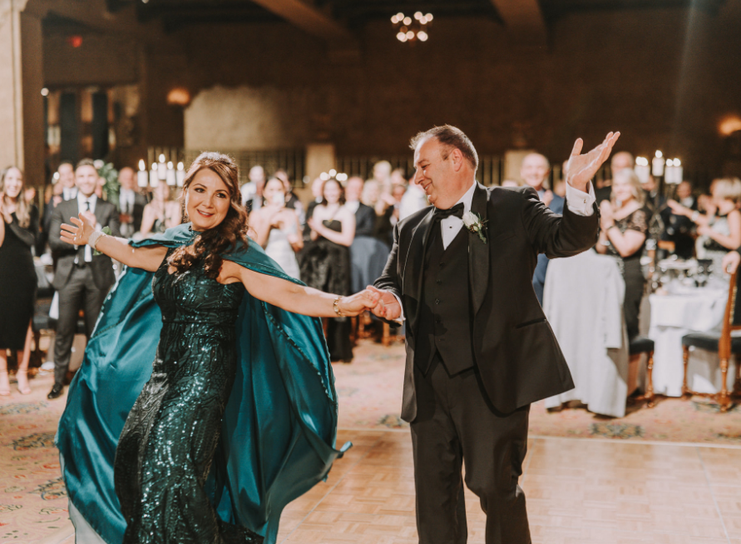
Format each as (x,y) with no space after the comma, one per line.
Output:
(169,439)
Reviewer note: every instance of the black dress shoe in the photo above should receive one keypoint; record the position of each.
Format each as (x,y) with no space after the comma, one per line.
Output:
(55,392)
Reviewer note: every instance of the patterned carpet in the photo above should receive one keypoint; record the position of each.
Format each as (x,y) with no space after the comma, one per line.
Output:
(33,503)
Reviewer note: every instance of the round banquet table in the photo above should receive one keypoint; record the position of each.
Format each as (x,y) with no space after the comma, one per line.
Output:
(678,313)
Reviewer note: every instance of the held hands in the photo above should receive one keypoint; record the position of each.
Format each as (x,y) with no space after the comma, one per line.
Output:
(358,303)
(79,233)
(388,306)
(582,168)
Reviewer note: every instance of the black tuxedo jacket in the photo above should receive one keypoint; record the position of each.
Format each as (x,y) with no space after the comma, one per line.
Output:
(138,212)
(514,348)
(102,267)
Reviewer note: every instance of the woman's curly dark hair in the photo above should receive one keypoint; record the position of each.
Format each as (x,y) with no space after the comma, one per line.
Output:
(222,238)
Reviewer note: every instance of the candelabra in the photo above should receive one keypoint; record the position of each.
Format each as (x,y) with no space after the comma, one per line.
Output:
(411,29)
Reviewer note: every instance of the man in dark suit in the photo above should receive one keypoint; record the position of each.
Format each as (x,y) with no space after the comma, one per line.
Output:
(130,203)
(535,171)
(365,216)
(479,348)
(82,279)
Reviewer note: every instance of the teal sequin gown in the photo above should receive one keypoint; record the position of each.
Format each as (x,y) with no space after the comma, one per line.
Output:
(168,442)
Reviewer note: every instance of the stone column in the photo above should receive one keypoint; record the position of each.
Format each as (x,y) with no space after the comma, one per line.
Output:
(21,79)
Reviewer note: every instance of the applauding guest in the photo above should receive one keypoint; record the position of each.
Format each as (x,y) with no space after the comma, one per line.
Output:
(326,263)
(162,213)
(18,230)
(624,225)
(277,228)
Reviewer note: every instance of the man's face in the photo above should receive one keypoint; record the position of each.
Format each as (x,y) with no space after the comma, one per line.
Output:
(126,179)
(620,161)
(86,178)
(434,173)
(684,190)
(257,174)
(66,175)
(354,189)
(535,170)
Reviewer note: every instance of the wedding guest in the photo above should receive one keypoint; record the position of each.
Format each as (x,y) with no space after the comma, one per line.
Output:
(316,193)
(131,203)
(60,191)
(382,174)
(82,279)
(292,201)
(161,213)
(414,199)
(619,161)
(252,190)
(18,230)
(535,171)
(678,228)
(277,228)
(66,173)
(383,204)
(365,217)
(325,264)
(624,224)
(721,232)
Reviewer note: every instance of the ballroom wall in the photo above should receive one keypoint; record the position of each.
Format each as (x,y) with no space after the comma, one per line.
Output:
(664,77)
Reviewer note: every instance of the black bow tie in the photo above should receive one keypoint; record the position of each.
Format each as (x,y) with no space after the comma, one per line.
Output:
(456,210)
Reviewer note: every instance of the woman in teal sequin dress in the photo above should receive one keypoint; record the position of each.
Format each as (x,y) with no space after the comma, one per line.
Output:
(163,461)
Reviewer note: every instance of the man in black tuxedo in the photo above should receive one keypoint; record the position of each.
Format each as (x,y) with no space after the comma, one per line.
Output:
(130,203)
(479,348)
(82,279)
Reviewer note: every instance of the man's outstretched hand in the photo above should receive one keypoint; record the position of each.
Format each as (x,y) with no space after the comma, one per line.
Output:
(388,307)
(582,168)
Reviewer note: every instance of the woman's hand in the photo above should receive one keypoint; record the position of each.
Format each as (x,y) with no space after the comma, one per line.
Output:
(358,303)
(676,207)
(79,233)
(607,216)
(314,225)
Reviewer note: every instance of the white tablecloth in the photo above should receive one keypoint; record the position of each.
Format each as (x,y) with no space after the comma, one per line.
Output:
(673,316)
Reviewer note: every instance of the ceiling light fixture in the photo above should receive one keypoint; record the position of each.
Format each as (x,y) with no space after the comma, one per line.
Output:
(412,29)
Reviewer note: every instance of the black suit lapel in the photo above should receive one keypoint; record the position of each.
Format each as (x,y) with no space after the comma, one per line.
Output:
(414,268)
(478,251)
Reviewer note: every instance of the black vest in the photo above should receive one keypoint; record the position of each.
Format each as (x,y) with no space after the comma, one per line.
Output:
(444,316)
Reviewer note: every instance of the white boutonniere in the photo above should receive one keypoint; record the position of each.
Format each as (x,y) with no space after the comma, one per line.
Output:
(475,224)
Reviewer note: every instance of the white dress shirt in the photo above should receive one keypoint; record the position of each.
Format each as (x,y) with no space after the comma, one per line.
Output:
(82,206)
(126,200)
(579,203)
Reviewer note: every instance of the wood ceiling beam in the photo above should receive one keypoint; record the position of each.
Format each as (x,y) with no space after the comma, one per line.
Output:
(308,18)
(524,21)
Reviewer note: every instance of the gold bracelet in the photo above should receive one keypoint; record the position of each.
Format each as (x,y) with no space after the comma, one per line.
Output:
(336,307)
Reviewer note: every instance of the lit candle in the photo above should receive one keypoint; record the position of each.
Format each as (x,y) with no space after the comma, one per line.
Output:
(669,172)
(142,177)
(642,169)
(181,174)
(657,164)
(171,179)
(678,171)
(162,168)
(154,179)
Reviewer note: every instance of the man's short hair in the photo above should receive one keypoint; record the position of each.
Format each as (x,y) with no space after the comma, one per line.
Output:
(452,138)
(65,162)
(85,162)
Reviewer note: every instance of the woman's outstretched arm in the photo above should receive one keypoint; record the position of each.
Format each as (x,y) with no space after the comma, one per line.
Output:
(146,258)
(296,298)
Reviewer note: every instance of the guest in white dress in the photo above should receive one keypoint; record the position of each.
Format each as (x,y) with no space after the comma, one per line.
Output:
(277,228)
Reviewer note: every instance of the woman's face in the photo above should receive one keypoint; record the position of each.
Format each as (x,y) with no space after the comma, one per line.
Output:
(622,189)
(207,200)
(162,191)
(332,192)
(13,183)
(274,192)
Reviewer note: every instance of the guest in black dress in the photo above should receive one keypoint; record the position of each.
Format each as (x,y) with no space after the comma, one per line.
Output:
(18,230)
(624,225)
(325,263)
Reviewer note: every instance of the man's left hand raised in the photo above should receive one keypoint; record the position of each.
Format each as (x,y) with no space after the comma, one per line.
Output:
(582,168)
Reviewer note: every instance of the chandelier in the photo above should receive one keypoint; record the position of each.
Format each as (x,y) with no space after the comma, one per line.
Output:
(411,29)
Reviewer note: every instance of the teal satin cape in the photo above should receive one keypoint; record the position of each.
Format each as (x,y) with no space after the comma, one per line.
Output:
(279,428)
